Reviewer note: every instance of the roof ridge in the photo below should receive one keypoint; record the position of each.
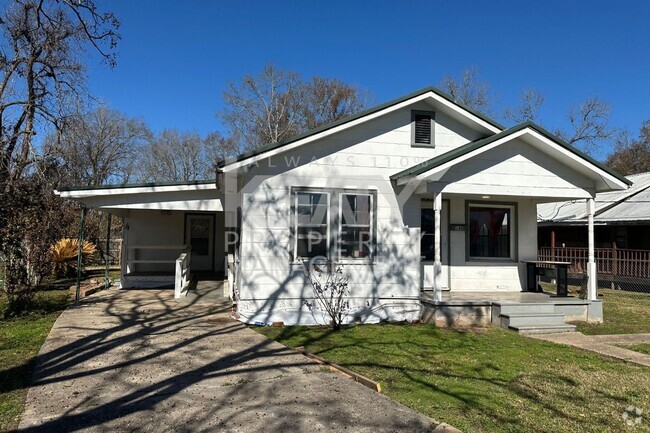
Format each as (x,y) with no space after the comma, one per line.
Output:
(352,117)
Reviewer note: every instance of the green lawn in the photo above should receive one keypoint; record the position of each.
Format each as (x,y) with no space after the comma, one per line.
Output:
(20,340)
(624,313)
(485,380)
(642,348)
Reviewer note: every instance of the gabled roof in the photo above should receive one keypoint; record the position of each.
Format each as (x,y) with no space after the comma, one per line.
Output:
(615,206)
(478,144)
(247,155)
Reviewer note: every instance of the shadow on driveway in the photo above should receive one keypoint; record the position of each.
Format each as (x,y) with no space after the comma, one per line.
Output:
(136,360)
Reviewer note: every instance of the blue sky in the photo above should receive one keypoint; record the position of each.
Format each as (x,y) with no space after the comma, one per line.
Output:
(176,57)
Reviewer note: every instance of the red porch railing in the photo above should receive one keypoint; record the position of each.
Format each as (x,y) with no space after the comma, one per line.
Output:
(609,261)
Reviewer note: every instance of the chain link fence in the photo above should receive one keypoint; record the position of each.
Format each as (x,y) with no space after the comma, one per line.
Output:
(114,253)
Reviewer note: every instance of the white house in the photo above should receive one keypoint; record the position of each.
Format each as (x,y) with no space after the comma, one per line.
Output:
(418,193)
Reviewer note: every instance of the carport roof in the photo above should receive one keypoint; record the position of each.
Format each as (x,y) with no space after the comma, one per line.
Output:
(135,185)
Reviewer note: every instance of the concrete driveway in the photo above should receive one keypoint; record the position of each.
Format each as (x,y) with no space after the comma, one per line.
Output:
(136,360)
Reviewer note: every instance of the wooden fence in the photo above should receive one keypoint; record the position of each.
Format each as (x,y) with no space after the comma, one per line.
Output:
(609,261)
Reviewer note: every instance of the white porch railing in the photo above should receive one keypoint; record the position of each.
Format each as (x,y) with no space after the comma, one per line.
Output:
(233,276)
(133,257)
(182,276)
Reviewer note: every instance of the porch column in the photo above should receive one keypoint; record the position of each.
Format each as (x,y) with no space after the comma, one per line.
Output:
(591,264)
(437,263)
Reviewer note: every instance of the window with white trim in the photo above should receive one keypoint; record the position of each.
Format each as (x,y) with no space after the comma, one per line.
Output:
(312,224)
(490,231)
(428,234)
(355,227)
(334,223)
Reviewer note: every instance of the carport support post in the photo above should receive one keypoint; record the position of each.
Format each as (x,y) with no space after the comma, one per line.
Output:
(82,227)
(437,263)
(592,294)
(107,255)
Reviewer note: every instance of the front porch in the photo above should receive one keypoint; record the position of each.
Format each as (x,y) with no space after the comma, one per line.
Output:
(525,312)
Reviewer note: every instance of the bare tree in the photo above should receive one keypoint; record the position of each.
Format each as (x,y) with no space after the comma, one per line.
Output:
(277,104)
(98,147)
(176,156)
(42,72)
(530,102)
(217,148)
(588,125)
(41,75)
(631,156)
(327,100)
(263,109)
(469,89)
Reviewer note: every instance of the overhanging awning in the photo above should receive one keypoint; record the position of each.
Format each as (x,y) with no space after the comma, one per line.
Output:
(187,196)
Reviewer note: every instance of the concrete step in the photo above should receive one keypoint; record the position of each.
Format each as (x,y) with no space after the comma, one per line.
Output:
(517,308)
(543,329)
(531,319)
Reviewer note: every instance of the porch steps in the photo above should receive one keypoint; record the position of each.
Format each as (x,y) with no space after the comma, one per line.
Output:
(530,318)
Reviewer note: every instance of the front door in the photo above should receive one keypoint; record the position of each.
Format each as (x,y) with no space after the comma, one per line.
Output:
(427,243)
(199,233)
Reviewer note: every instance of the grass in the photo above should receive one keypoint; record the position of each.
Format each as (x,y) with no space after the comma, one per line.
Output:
(485,380)
(624,312)
(641,348)
(20,341)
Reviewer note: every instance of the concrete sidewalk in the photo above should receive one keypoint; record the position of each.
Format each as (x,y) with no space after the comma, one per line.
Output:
(607,345)
(136,360)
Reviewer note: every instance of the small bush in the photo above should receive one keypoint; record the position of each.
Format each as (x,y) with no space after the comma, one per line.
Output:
(64,254)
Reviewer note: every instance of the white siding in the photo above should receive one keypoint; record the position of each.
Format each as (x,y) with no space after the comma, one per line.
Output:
(506,275)
(153,227)
(516,169)
(272,288)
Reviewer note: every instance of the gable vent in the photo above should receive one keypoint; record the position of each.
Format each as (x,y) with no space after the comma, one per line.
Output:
(422,129)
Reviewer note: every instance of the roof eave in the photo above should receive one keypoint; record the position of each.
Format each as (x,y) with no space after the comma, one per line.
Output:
(496,127)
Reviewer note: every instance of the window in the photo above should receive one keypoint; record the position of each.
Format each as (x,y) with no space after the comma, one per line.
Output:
(344,216)
(422,128)
(355,229)
(428,235)
(490,229)
(311,224)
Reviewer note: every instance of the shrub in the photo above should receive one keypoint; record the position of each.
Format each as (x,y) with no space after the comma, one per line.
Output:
(64,254)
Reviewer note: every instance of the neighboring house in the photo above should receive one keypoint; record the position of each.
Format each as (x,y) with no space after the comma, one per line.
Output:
(418,193)
(622,219)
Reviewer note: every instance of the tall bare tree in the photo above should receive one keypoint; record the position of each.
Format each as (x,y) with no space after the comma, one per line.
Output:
(41,75)
(177,156)
(98,147)
(469,89)
(277,104)
(530,101)
(327,100)
(631,156)
(589,126)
